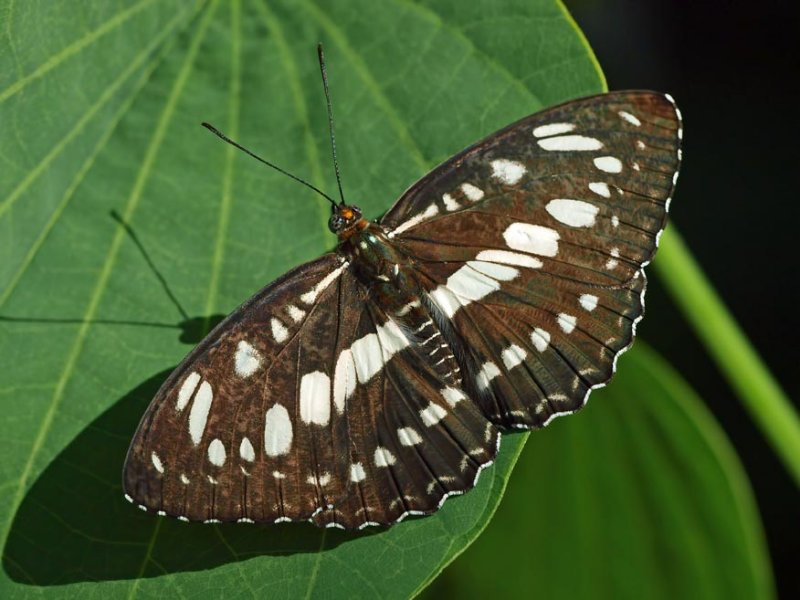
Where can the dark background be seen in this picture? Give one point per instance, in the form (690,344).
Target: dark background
(733,68)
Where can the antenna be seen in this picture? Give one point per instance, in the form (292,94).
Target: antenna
(224,137)
(324,72)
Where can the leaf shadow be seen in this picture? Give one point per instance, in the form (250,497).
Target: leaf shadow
(74,525)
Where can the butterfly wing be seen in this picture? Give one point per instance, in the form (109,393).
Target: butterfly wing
(532,244)
(239,431)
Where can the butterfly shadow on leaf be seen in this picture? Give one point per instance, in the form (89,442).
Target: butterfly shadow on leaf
(74,524)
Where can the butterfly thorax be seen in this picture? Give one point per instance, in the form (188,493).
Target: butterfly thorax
(373,255)
(375,259)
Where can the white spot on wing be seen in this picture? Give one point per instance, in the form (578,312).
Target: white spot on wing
(357,472)
(570,143)
(615,221)
(279,331)
(429,212)
(475,280)
(600,188)
(409,436)
(432,414)
(321,480)
(246,450)
(629,118)
(471,284)
(612,262)
(493,270)
(507,171)
(344,380)
(446,300)
(488,371)
(199,413)
(184,479)
(315,398)
(567,322)
(450,203)
(367,357)
(311,296)
(295,313)
(513,356)
(453,396)
(383,458)
(157,462)
(187,389)
(391,338)
(540,339)
(472,192)
(589,301)
(609,164)
(216,453)
(533,239)
(575,213)
(373,350)
(509,258)
(277,431)
(247,359)
(552,129)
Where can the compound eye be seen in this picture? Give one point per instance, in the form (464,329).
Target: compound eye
(335,223)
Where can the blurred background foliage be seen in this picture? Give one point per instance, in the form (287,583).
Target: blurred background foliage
(641,495)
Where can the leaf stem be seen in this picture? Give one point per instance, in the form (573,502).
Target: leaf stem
(729,347)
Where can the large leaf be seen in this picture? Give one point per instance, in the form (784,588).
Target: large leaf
(100,105)
(640,497)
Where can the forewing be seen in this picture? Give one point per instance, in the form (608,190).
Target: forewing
(246,427)
(585,186)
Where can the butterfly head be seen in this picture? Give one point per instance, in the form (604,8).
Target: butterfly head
(345,220)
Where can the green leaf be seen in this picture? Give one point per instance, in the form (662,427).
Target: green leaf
(641,496)
(101,103)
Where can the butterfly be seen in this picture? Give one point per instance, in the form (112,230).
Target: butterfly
(376,381)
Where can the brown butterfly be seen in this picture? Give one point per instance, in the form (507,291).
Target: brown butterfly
(375,382)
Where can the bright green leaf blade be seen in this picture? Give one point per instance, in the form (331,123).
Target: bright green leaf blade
(641,496)
(101,104)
